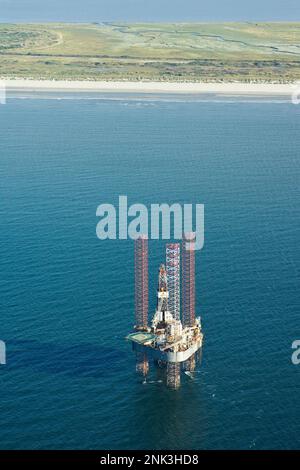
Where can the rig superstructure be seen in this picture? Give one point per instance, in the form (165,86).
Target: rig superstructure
(172,340)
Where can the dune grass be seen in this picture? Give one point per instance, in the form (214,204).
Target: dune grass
(263,52)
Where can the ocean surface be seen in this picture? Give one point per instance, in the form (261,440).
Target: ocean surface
(145,11)
(67,298)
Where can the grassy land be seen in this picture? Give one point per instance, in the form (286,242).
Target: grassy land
(264,52)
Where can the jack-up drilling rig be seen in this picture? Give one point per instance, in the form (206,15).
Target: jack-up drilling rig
(172,340)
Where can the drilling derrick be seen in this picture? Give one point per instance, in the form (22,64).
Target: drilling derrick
(188,279)
(162,292)
(141,282)
(173,277)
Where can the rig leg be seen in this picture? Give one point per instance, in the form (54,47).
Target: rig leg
(142,363)
(173,375)
(190,364)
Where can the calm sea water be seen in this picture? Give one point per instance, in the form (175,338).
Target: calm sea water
(66,298)
(143,10)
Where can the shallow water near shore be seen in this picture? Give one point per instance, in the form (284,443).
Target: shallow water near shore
(67,298)
(179,97)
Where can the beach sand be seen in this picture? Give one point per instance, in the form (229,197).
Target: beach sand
(263,89)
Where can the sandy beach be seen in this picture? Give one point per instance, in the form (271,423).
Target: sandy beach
(263,89)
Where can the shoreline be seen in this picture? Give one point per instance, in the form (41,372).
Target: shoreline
(254,89)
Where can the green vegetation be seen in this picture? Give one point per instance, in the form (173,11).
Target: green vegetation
(264,52)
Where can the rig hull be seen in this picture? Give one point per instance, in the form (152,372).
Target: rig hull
(167,356)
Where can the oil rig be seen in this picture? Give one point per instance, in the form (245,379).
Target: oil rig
(174,337)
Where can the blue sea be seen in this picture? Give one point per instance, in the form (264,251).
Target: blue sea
(67,298)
